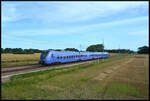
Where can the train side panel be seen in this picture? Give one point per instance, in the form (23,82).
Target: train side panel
(65,57)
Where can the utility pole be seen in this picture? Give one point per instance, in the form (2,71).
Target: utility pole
(79,52)
(103,47)
(119,50)
(80,47)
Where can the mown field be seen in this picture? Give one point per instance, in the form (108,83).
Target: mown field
(122,77)
(9,60)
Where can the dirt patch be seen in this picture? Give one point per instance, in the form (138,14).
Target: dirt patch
(109,70)
(49,87)
(101,76)
(5,79)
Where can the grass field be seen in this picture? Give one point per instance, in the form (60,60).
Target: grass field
(99,80)
(8,60)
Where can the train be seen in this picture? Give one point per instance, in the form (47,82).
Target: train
(50,56)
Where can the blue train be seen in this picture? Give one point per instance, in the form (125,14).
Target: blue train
(51,56)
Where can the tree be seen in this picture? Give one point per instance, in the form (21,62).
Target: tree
(95,48)
(71,49)
(143,50)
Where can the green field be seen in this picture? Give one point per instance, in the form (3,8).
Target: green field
(83,82)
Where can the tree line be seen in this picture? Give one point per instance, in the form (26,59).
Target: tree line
(100,48)
(20,51)
(143,50)
(91,48)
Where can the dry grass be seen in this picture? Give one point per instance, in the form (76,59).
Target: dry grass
(113,54)
(19,57)
(10,60)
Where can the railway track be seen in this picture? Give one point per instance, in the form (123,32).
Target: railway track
(31,66)
(17,68)
(7,72)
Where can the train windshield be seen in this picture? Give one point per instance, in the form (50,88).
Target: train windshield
(44,54)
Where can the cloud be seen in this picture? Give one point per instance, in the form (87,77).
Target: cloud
(10,13)
(139,32)
(80,29)
(66,12)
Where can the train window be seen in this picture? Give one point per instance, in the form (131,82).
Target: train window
(61,57)
(52,55)
(67,56)
(64,57)
(44,54)
(57,57)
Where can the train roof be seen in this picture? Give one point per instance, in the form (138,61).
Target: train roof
(76,52)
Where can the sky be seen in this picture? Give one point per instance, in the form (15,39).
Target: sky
(72,24)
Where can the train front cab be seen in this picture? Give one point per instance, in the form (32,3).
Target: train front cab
(43,56)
